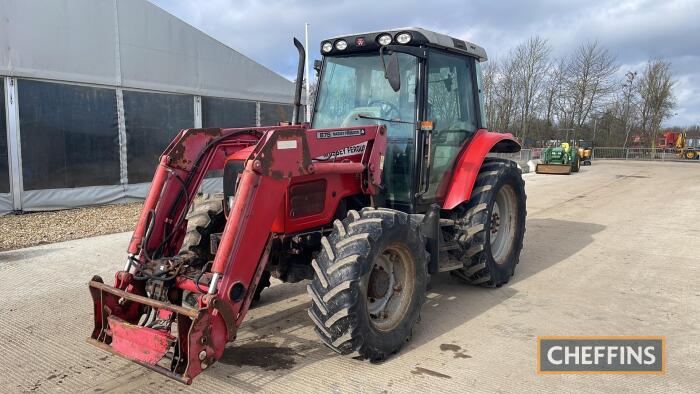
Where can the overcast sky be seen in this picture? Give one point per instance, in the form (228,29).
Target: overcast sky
(635,30)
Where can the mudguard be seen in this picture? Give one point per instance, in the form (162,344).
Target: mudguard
(469,162)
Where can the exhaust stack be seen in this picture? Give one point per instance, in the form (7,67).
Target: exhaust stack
(299,82)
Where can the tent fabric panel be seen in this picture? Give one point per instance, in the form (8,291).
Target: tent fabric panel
(53,199)
(218,112)
(152,121)
(271,114)
(69,135)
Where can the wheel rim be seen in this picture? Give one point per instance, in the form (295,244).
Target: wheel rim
(390,287)
(502,226)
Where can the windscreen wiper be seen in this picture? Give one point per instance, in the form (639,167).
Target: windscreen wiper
(384,119)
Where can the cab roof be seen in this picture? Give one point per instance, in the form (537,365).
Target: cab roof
(361,42)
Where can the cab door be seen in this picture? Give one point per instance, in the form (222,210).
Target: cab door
(451,98)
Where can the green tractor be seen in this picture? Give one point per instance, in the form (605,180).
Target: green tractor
(559,158)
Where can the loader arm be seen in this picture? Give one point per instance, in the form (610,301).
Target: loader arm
(181,342)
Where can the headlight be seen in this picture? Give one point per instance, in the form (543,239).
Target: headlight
(341,45)
(384,39)
(326,47)
(403,38)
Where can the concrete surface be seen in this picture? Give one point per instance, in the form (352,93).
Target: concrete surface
(612,250)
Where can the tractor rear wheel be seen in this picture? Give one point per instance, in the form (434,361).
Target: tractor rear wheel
(206,217)
(493,223)
(369,284)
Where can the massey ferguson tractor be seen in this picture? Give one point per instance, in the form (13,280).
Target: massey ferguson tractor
(389,184)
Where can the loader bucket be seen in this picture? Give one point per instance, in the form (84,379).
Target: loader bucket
(558,169)
(180,353)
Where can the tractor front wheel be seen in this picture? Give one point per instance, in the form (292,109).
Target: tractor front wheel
(576,163)
(370,282)
(493,223)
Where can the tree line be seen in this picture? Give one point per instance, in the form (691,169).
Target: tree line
(537,97)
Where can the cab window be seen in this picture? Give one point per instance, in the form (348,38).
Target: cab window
(451,107)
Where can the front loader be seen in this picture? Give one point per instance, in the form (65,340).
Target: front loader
(387,185)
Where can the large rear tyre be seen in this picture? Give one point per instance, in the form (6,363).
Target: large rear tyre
(493,223)
(369,285)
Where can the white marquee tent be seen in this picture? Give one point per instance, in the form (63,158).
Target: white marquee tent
(93,90)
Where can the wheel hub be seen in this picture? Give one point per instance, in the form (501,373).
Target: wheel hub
(380,286)
(495,220)
(502,226)
(390,287)
(378,282)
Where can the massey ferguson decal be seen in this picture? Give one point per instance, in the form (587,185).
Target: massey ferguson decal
(345,152)
(339,133)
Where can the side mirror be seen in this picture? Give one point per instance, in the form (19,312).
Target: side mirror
(317,65)
(392,72)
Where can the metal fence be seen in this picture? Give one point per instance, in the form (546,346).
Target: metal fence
(523,155)
(645,154)
(609,153)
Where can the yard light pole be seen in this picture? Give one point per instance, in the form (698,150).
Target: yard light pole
(595,126)
(306,45)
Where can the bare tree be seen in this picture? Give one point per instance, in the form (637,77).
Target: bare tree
(490,73)
(590,79)
(552,89)
(627,92)
(655,90)
(531,60)
(529,95)
(507,93)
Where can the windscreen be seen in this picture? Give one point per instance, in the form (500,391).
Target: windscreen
(353,91)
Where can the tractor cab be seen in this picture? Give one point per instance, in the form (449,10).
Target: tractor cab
(424,87)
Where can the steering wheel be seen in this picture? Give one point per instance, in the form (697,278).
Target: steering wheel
(388,110)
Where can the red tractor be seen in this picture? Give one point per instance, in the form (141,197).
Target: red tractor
(389,184)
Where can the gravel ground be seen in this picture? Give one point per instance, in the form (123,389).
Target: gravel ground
(38,228)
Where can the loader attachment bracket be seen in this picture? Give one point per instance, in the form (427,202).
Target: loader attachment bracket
(181,353)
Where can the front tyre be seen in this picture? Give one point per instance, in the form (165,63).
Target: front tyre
(369,285)
(493,224)
(576,164)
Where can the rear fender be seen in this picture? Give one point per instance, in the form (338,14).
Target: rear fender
(469,162)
